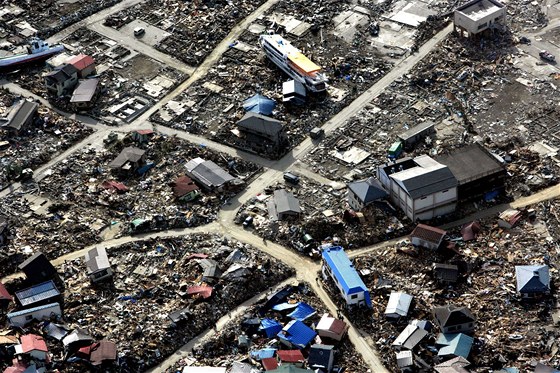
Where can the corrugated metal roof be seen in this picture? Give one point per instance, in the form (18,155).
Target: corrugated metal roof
(31,310)
(37,293)
(344,271)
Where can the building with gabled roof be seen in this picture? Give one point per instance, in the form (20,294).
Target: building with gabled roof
(34,346)
(208,174)
(457,344)
(363,193)
(20,116)
(129,159)
(453,319)
(84,64)
(330,327)
(427,236)
(97,264)
(422,187)
(340,269)
(398,305)
(532,280)
(283,204)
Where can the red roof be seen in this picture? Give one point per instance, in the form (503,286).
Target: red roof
(290,356)
(18,367)
(197,256)
(269,363)
(145,132)
(114,185)
(31,342)
(205,291)
(427,233)
(183,185)
(4,293)
(101,351)
(81,61)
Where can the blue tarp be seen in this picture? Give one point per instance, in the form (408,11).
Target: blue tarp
(302,311)
(271,327)
(259,104)
(263,354)
(297,334)
(284,306)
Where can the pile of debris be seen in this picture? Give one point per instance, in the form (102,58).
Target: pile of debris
(306,215)
(479,268)
(195,29)
(256,339)
(158,295)
(31,136)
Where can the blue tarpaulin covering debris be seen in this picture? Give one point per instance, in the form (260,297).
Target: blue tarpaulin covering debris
(259,104)
(297,334)
(263,354)
(302,311)
(271,327)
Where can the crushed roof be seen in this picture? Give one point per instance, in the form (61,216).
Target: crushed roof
(427,233)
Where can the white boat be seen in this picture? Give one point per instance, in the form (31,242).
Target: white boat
(293,62)
(36,50)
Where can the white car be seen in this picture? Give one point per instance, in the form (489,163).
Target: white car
(139,31)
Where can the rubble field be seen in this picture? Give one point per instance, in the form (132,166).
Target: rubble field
(46,18)
(223,348)
(130,82)
(194,28)
(150,281)
(471,94)
(244,70)
(509,332)
(72,207)
(48,135)
(324,218)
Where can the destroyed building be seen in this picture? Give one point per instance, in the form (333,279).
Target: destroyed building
(20,117)
(97,264)
(208,174)
(62,80)
(263,134)
(478,172)
(477,16)
(422,187)
(338,268)
(130,159)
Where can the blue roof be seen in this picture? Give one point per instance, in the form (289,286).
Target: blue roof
(344,271)
(37,293)
(297,334)
(263,354)
(30,310)
(455,344)
(271,327)
(302,311)
(259,104)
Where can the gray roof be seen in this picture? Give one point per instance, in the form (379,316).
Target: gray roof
(410,336)
(96,259)
(428,177)
(85,90)
(319,355)
(37,293)
(286,202)
(532,278)
(128,154)
(208,173)
(416,130)
(368,190)
(62,73)
(22,114)
(34,309)
(404,359)
(261,124)
(471,163)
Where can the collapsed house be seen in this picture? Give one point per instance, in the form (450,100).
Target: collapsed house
(208,174)
(20,117)
(263,134)
(337,267)
(130,159)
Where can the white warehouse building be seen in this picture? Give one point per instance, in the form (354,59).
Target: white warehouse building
(478,15)
(422,187)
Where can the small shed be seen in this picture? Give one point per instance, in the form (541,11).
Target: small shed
(454,345)
(97,264)
(321,356)
(426,236)
(34,346)
(405,362)
(332,328)
(417,133)
(398,305)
